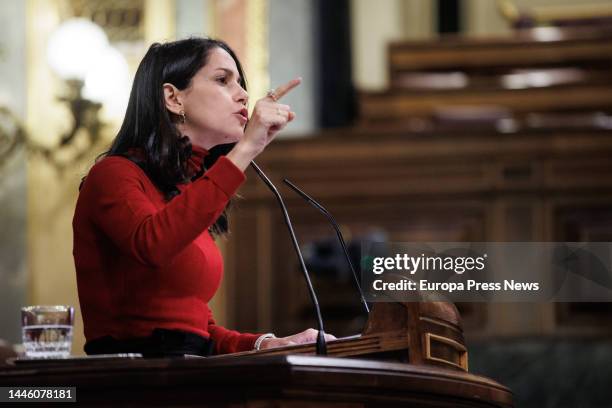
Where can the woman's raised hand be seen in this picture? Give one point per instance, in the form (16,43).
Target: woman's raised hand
(307,336)
(268,118)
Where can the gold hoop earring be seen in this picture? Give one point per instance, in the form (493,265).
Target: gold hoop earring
(183,117)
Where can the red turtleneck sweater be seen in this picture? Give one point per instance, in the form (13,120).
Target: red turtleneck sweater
(144,263)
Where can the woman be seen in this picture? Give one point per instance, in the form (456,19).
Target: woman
(146,263)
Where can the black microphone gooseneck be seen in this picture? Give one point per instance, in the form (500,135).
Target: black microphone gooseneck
(321,343)
(333,222)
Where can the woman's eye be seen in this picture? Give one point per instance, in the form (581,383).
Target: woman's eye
(222,80)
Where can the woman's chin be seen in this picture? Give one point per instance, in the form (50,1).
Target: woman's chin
(234,138)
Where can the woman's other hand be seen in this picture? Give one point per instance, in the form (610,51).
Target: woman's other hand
(307,336)
(268,118)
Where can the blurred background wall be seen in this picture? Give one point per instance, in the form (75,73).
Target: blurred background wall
(13,183)
(342,49)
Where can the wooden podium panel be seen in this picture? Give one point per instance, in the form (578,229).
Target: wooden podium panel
(261,381)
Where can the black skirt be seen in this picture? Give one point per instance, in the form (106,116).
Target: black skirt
(161,343)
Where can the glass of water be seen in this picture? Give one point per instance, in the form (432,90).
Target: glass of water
(47,331)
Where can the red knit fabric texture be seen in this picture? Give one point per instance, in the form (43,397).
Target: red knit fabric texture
(144,263)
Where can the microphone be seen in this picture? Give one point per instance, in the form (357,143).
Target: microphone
(321,343)
(333,222)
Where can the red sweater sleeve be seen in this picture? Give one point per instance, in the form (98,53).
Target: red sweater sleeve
(229,341)
(120,207)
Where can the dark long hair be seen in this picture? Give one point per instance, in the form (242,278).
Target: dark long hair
(149,128)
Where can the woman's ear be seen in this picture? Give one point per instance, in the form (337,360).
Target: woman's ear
(172,99)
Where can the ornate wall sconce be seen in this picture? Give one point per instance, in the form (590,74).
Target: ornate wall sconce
(95,75)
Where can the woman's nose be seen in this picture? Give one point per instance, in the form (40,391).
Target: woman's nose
(242,96)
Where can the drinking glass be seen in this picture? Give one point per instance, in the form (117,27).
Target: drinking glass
(47,331)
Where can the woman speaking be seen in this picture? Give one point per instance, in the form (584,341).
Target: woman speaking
(146,262)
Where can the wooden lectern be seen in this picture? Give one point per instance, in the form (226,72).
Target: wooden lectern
(409,354)
(416,333)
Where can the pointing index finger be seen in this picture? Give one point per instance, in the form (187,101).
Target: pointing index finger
(284,89)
